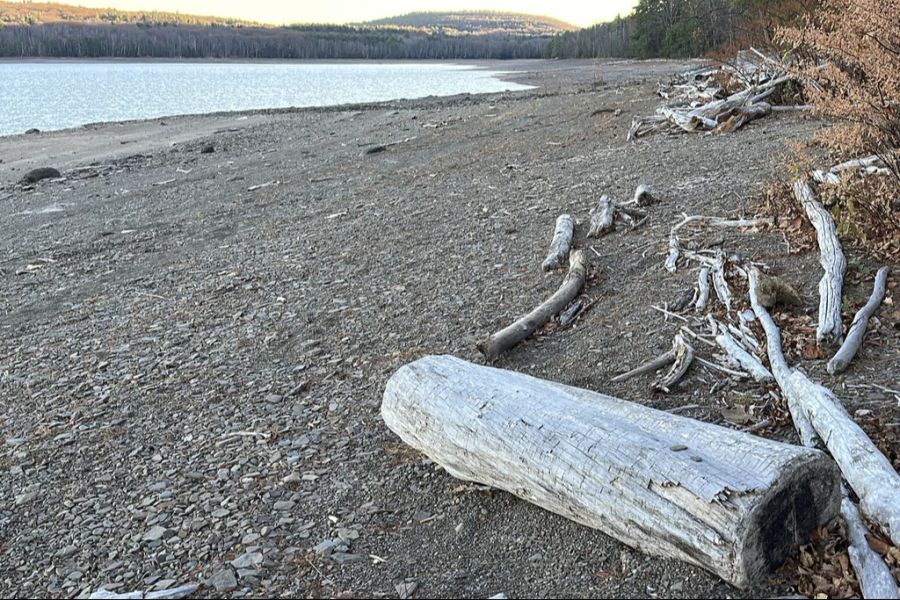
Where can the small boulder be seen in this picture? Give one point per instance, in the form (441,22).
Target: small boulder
(222,581)
(208,149)
(36,175)
(32,131)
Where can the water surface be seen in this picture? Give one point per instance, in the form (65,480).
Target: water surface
(56,95)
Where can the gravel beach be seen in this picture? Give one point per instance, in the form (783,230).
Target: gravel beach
(198,318)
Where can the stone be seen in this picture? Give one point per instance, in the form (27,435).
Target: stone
(25,498)
(324,548)
(250,538)
(284,505)
(36,175)
(247,560)
(348,535)
(405,589)
(343,558)
(155,533)
(208,149)
(223,580)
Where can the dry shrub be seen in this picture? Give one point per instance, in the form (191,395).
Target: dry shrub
(849,51)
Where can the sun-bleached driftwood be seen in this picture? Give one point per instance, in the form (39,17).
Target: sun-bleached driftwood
(743,115)
(643,196)
(741,358)
(561,243)
(602,219)
(875,579)
(671,486)
(720,284)
(841,359)
(831,257)
(657,363)
(812,406)
(674,253)
(508,337)
(684,356)
(702,290)
(641,126)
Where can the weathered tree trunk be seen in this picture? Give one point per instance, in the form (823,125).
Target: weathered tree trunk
(841,359)
(744,115)
(866,469)
(508,337)
(602,220)
(561,244)
(831,257)
(726,501)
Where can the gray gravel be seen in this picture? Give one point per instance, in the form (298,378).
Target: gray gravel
(190,372)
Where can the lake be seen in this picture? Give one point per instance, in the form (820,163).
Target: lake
(56,95)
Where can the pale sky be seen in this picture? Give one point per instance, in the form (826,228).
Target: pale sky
(577,12)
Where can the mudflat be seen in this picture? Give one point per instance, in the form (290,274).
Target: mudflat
(198,318)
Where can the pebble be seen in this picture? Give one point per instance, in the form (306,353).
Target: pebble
(405,589)
(25,498)
(223,580)
(155,533)
(324,548)
(247,560)
(284,505)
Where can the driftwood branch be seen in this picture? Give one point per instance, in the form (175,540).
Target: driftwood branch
(741,358)
(703,290)
(508,337)
(726,501)
(831,257)
(674,243)
(602,220)
(841,360)
(813,407)
(561,243)
(875,579)
(657,363)
(684,355)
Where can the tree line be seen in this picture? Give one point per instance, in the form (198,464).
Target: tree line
(138,40)
(682,28)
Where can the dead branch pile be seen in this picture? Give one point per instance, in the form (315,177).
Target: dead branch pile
(720,100)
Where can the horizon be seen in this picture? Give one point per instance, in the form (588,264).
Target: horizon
(579,13)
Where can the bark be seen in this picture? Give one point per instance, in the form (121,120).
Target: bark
(744,115)
(508,337)
(816,409)
(831,257)
(561,244)
(674,487)
(841,360)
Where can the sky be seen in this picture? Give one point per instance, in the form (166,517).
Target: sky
(577,12)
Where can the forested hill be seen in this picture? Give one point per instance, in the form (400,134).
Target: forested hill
(477,22)
(36,13)
(58,30)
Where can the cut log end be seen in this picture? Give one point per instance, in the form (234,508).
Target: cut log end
(803,500)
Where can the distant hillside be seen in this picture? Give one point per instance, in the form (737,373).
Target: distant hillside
(38,13)
(477,23)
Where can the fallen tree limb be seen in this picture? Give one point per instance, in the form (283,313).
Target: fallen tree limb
(744,115)
(726,501)
(657,363)
(813,407)
(674,244)
(720,285)
(703,293)
(602,218)
(684,356)
(508,337)
(841,359)
(742,358)
(875,579)
(561,244)
(831,257)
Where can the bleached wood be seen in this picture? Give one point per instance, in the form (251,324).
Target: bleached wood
(812,406)
(674,253)
(657,363)
(561,243)
(744,115)
(508,337)
(602,219)
(742,358)
(831,257)
(720,285)
(643,196)
(841,359)
(182,591)
(667,485)
(875,579)
(703,290)
(684,356)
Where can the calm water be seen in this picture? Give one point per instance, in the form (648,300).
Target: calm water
(56,95)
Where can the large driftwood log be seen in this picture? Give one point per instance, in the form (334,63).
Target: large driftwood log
(508,337)
(831,257)
(561,243)
(865,468)
(841,359)
(670,486)
(744,115)
(602,220)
